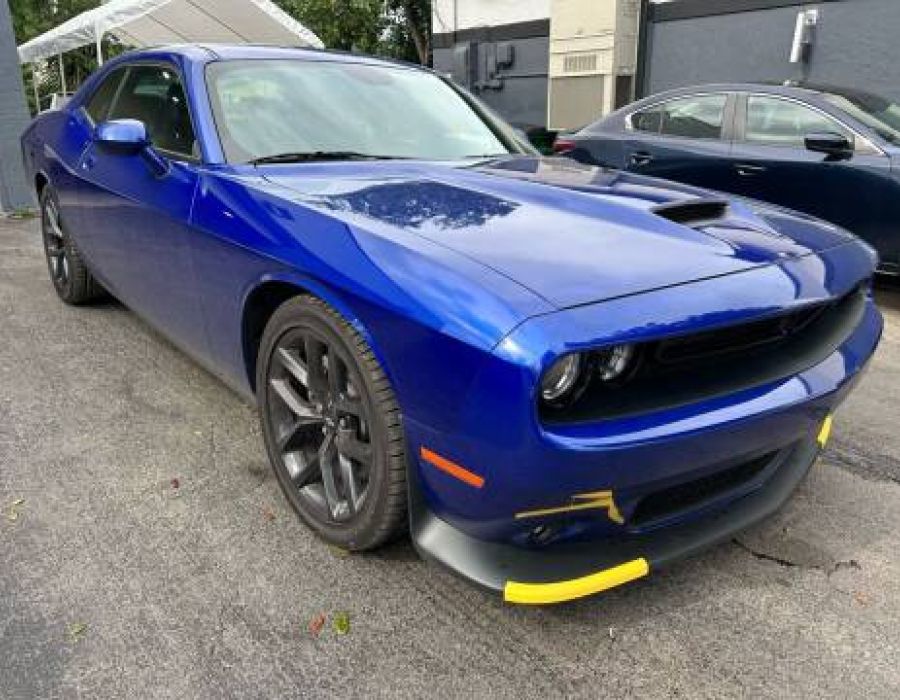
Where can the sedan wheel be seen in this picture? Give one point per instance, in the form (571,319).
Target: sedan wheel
(336,450)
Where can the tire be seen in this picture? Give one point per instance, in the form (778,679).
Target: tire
(71,279)
(332,426)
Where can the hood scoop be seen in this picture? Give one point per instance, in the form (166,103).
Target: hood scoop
(693,212)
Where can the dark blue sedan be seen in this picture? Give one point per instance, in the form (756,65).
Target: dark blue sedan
(558,376)
(830,152)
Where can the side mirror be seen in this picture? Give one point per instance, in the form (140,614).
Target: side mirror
(834,145)
(125,136)
(130,137)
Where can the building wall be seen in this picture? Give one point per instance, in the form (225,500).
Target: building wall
(855,44)
(485,28)
(453,15)
(13,118)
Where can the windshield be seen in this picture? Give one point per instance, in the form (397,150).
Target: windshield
(879,114)
(266,108)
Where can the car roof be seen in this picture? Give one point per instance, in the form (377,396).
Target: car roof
(799,91)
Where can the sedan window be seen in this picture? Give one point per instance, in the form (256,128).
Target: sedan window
(697,117)
(785,123)
(880,115)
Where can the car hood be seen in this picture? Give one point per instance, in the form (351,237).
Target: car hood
(571,233)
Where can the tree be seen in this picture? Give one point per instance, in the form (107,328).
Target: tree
(394,28)
(348,25)
(411,28)
(32,18)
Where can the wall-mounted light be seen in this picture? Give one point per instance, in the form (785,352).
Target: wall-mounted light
(803,35)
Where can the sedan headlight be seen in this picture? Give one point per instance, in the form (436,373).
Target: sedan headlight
(561,378)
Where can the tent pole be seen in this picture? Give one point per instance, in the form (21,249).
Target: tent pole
(34,86)
(99,35)
(62,74)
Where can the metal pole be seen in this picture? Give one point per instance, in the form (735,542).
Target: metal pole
(98,33)
(34,86)
(62,74)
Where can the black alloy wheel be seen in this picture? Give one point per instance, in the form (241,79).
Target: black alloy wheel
(54,244)
(71,279)
(331,426)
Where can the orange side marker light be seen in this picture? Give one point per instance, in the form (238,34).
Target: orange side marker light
(451,468)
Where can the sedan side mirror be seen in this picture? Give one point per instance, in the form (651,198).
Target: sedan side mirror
(837,146)
(130,137)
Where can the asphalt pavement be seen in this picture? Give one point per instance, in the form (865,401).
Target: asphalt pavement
(146,551)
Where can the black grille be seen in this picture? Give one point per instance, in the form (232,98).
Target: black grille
(737,339)
(691,494)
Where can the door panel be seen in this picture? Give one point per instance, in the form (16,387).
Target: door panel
(142,239)
(139,220)
(686,139)
(771,163)
(858,194)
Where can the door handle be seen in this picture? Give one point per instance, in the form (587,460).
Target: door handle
(89,162)
(641,158)
(748,170)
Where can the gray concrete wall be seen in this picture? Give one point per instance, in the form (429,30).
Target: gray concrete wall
(519,92)
(13,119)
(857,43)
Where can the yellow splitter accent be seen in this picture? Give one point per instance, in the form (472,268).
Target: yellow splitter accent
(561,591)
(581,501)
(825,431)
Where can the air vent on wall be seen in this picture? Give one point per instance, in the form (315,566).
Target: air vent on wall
(580,63)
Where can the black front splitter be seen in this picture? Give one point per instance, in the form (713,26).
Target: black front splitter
(559,573)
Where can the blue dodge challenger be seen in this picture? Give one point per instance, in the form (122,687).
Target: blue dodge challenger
(558,377)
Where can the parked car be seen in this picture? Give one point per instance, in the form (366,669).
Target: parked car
(558,377)
(830,152)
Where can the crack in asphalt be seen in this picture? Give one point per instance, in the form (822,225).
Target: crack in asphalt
(788,563)
(767,557)
(859,461)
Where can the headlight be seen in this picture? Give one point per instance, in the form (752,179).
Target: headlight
(561,377)
(613,362)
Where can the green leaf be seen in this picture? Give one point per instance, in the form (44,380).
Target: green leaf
(342,623)
(77,630)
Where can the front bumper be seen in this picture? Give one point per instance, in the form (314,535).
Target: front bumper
(589,485)
(569,571)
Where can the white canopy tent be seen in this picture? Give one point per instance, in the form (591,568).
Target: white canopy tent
(157,22)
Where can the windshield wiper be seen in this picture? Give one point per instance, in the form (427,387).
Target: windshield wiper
(310,156)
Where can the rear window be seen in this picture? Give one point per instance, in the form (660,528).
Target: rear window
(696,117)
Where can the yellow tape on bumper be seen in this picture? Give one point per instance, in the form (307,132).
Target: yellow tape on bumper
(560,591)
(825,431)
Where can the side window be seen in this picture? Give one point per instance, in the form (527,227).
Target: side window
(699,117)
(154,95)
(98,104)
(784,123)
(647,121)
